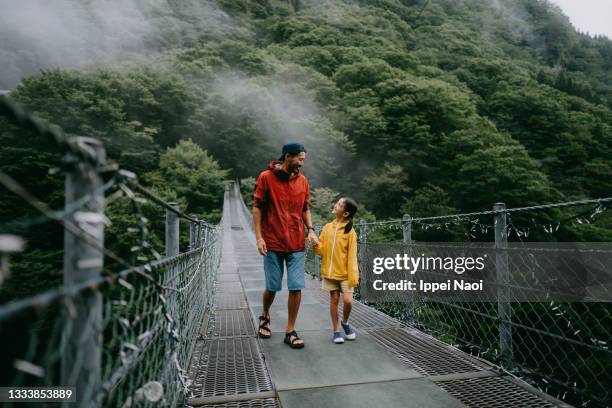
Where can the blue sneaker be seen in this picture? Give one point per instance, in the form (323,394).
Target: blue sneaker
(348,331)
(338,339)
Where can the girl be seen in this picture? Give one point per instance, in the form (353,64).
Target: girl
(338,249)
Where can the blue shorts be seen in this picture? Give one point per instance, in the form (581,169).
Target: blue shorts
(274,267)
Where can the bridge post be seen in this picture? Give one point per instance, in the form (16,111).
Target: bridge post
(9,244)
(502,272)
(363,267)
(407,229)
(203,277)
(83,260)
(209,278)
(198,237)
(193,234)
(199,232)
(172,231)
(407,235)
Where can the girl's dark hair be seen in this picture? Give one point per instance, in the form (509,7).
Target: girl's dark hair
(350,206)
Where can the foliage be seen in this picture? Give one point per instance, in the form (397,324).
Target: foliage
(194,175)
(422,106)
(247,188)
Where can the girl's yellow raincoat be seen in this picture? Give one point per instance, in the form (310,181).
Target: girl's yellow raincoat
(339,253)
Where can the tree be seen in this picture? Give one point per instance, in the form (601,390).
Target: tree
(194,175)
(385,190)
(501,173)
(431,201)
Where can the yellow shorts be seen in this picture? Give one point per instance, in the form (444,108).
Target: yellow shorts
(333,284)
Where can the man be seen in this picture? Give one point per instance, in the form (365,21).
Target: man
(281,208)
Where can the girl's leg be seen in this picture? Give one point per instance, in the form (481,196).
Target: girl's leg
(348,305)
(349,333)
(334,298)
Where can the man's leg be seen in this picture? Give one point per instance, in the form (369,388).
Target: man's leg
(293,307)
(268,299)
(295,283)
(273,271)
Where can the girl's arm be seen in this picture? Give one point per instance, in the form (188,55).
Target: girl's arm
(318,248)
(352,266)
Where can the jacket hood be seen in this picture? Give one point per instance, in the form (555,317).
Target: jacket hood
(275,167)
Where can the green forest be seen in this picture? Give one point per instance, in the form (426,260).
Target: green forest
(421,107)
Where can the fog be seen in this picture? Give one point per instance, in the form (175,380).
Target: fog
(42,34)
(283,110)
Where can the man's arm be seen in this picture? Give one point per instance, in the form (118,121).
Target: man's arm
(261,244)
(260,197)
(312,237)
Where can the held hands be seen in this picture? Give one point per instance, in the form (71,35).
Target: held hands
(312,238)
(263,250)
(261,247)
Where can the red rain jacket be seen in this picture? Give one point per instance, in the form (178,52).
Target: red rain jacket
(282,199)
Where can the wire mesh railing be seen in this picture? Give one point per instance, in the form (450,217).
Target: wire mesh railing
(121,329)
(544,312)
(147,329)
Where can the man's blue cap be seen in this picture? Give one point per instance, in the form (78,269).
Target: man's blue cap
(292,148)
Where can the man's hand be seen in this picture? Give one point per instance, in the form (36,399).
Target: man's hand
(261,247)
(312,237)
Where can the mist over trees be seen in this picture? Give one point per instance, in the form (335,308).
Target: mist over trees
(422,106)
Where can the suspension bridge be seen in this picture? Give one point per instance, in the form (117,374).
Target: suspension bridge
(178,328)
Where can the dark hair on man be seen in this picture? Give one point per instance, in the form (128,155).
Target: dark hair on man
(350,206)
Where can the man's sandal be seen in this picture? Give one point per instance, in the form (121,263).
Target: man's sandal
(263,321)
(292,342)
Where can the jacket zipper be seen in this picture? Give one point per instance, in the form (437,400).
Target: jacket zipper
(331,259)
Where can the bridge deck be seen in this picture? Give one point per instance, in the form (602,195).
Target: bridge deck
(389,364)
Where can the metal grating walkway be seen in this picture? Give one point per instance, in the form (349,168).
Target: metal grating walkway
(236,322)
(493,392)
(254,403)
(428,356)
(389,365)
(230,301)
(233,366)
